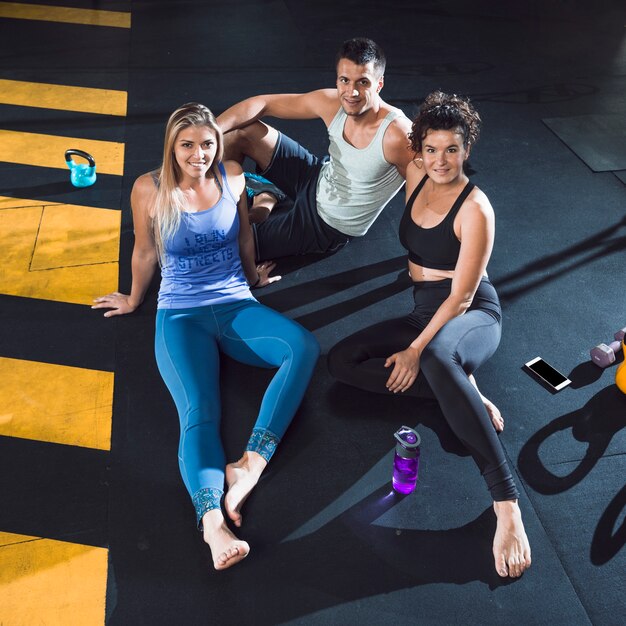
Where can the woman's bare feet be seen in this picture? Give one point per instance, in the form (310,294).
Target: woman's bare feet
(511,550)
(241,478)
(494,412)
(226,549)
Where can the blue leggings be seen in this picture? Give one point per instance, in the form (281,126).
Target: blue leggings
(457,350)
(187,346)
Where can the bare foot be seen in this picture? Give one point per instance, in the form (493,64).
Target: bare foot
(262,205)
(241,478)
(494,412)
(226,549)
(511,550)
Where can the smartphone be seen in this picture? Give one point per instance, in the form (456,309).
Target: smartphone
(548,374)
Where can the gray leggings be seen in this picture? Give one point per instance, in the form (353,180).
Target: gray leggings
(455,352)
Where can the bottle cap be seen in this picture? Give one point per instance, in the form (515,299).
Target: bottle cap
(408,442)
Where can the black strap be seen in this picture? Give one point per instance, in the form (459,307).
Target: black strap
(460,200)
(411,200)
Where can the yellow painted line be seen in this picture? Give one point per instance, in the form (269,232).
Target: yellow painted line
(57,583)
(56,403)
(49,151)
(60,252)
(90,17)
(63,97)
(17,203)
(8,539)
(70,236)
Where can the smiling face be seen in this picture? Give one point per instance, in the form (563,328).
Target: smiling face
(357,86)
(443,155)
(194,150)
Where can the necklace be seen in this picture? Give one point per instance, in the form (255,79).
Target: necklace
(428,193)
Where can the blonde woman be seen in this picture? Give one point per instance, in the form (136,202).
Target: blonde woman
(191,217)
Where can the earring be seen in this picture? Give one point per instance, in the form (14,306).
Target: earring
(418,162)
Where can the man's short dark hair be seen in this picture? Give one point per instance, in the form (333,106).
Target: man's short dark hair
(361,50)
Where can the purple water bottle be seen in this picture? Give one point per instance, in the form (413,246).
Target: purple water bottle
(406,460)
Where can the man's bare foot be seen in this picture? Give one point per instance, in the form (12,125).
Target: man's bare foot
(262,205)
(494,412)
(226,549)
(511,550)
(241,478)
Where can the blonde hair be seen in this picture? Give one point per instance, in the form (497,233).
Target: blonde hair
(170,202)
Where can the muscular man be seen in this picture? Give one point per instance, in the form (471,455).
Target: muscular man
(337,197)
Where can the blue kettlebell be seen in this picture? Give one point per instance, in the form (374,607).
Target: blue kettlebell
(81,175)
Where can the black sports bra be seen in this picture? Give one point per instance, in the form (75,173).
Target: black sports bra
(437,247)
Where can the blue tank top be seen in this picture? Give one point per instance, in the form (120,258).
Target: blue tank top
(202,264)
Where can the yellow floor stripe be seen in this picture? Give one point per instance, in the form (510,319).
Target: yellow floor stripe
(49,151)
(18,203)
(63,97)
(17,10)
(56,403)
(43,581)
(60,252)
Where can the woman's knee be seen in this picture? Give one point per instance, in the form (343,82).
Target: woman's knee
(203,412)
(256,140)
(307,348)
(340,359)
(436,360)
(292,342)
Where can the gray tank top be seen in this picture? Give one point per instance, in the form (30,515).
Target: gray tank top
(354,186)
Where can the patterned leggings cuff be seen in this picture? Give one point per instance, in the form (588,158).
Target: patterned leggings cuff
(263,442)
(205,500)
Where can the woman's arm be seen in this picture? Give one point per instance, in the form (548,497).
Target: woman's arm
(144,259)
(477,228)
(256,275)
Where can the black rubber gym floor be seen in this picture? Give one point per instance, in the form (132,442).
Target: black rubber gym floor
(330,543)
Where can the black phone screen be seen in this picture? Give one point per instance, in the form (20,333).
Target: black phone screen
(547,372)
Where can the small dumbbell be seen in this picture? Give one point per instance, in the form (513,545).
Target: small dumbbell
(603,355)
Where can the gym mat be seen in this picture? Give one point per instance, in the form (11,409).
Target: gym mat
(599,140)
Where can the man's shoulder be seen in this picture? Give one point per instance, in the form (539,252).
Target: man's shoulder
(326,104)
(400,123)
(399,128)
(396,144)
(400,119)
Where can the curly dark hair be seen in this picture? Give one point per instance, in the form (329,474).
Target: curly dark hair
(441,111)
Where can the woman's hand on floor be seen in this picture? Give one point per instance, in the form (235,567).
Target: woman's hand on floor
(264,270)
(116,301)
